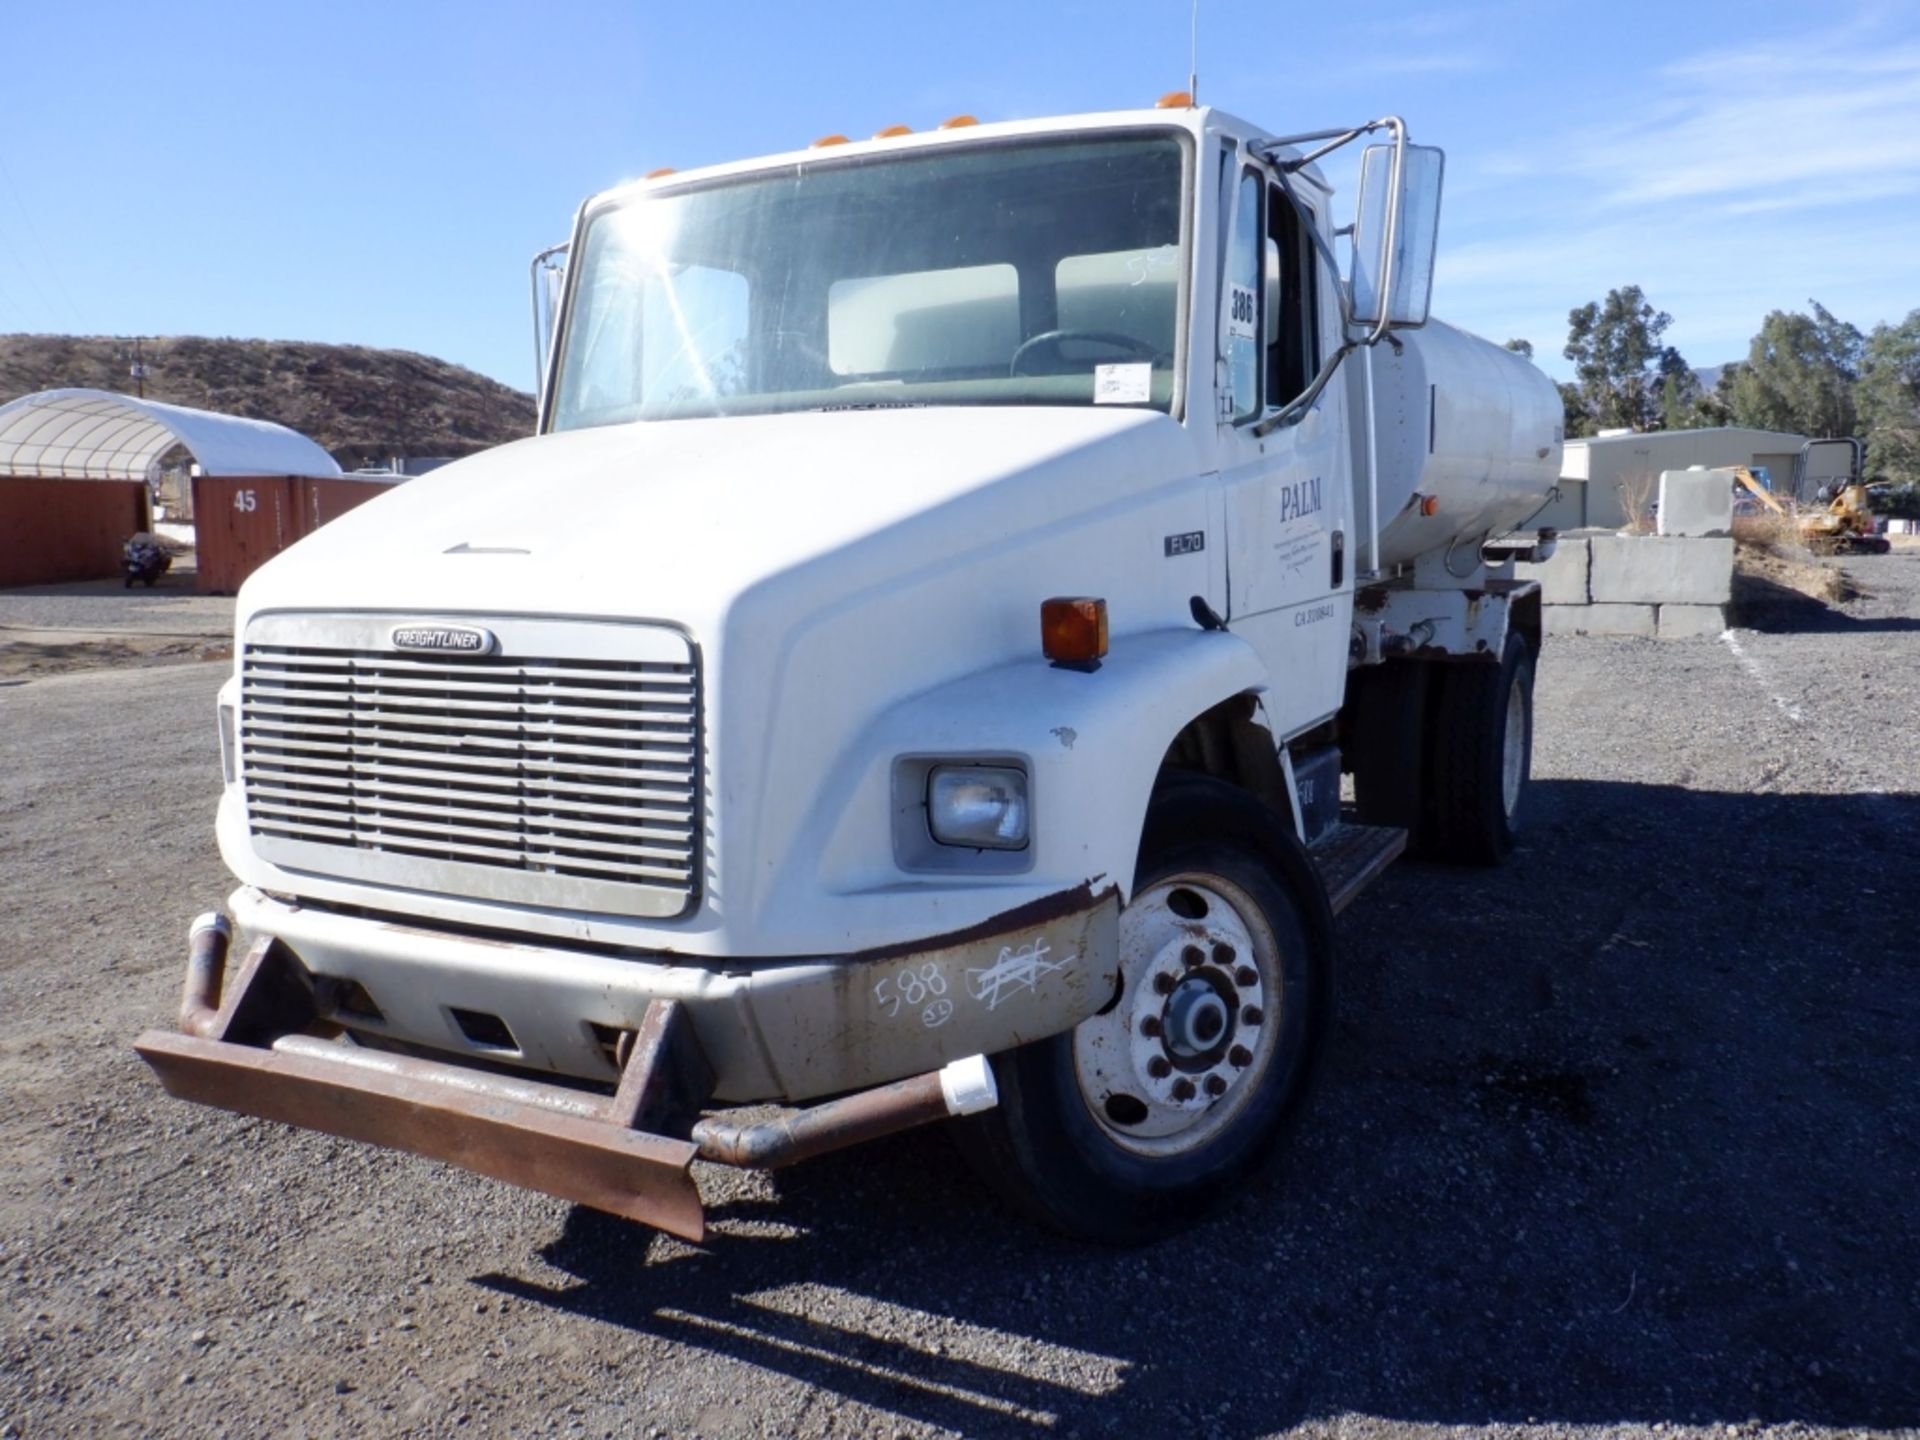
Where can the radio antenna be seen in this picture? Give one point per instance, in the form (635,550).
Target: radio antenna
(1193,54)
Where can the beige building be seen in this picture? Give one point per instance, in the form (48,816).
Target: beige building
(1603,478)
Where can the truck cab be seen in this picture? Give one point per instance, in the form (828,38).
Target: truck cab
(909,673)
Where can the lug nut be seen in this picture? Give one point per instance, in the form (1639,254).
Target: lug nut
(1251,1015)
(1183,1089)
(1222,954)
(1246,976)
(1159,1067)
(1216,1085)
(1164,982)
(1240,1056)
(1192,956)
(1150,1026)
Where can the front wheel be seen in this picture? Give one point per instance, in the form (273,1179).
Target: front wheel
(1137,1122)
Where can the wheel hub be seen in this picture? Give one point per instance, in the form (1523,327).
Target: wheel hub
(1169,1064)
(1197,1019)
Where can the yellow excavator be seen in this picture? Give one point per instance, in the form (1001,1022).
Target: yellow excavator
(1833,516)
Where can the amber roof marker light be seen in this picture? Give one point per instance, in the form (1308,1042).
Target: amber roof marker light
(958,122)
(1073,631)
(1175,100)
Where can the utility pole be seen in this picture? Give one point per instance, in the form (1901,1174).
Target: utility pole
(139,370)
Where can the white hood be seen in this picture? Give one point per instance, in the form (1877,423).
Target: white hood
(663,520)
(826,567)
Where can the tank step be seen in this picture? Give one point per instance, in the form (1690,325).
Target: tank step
(1351,857)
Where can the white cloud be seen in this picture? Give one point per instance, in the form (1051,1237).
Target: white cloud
(1741,180)
(1780,124)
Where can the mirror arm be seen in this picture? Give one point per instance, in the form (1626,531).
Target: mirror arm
(1387,276)
(1334,140)
(1295,410)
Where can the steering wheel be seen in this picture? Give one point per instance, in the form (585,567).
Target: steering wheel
(1052,340)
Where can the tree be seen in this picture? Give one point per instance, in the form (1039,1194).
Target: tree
(1578,422)
(1889,400)
(1521,347)
(1679,391)
(1800,374)
(1620,365)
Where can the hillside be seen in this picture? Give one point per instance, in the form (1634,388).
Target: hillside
(360,404)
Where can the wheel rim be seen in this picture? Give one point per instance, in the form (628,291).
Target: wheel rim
(1182,1053)
(1513,758)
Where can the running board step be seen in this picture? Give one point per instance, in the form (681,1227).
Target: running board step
(1352,857)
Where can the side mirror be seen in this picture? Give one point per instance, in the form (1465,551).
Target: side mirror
(1395,234)
(549,276)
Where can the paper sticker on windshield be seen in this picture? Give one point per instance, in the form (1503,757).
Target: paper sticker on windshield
(1122,384)
(1242,305)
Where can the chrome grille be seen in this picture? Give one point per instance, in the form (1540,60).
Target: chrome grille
(563,781)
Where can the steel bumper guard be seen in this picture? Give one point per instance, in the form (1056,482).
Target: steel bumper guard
(265,1051)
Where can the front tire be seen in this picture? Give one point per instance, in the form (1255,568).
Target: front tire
(1136,1123)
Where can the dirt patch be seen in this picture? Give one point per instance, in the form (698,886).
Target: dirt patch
(30,655)
(1779,584)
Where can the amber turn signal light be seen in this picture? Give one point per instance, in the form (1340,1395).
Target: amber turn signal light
(1073,631)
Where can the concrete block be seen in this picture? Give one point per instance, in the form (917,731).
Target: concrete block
(1661,570)
(1599,620)
(1691,622)
(1563,579)
(1695,503)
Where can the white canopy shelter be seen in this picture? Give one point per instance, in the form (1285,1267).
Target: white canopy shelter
(97,435)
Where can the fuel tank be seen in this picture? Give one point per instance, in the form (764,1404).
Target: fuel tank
(1464,428)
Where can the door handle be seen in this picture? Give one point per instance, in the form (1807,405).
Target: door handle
(1339,558)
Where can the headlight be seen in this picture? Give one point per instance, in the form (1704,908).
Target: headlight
(982,807)
(229,751)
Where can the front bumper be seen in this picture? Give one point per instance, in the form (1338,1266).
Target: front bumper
(260,1048)
(771,1030)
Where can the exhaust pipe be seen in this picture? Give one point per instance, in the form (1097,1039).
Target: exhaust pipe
(963,1087)
(207,941)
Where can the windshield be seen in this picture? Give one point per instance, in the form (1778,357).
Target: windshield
(1030,273)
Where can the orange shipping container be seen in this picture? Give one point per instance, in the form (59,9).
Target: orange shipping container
(58,530)
(241,522)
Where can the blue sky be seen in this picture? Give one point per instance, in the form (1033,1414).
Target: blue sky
(381,173)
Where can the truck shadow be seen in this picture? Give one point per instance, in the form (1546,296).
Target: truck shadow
(1626,1131)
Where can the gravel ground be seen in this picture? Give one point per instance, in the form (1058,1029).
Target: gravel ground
(1623,1137)
(56,629)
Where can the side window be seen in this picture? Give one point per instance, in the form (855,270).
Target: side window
(1293,352)
(1245,260)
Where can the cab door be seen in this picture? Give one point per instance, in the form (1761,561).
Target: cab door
(1288,492)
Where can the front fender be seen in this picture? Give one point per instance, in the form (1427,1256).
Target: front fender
(1092,743)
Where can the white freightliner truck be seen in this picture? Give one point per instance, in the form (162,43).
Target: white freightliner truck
(909,674)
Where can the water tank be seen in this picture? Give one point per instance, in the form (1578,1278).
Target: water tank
(1463,422)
